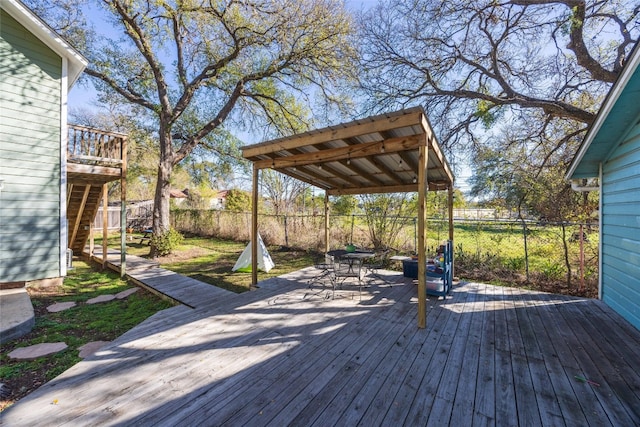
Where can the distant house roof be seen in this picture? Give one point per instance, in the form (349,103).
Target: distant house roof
(178,194)
(76,62)
(222,194)
(614,120)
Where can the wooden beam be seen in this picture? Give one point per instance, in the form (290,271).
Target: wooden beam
(305,174)
(352,166)
(105,224)
(326,222)
(450,206)
(92,242)
(93,170)
(348,164)
(123,210)
(435,148)
(386,170)
(358,128)
(423,161)
(69,191)
(342,153)
(254,229)
(82,159)
(334,173)
(83,203)
(401,188)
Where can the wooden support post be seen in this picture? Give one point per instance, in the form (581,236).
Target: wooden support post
(123,209)
(254,229)
(326,222)
(105,223)
(83,205)
(451,227)
(92,243)
(423,162)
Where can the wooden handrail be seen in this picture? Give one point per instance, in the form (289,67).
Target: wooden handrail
(89,144)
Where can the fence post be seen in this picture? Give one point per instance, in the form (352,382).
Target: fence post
(286,232)
(581,257)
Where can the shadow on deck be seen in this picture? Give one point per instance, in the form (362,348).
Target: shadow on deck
(288,355)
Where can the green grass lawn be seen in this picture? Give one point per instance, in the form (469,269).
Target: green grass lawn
(75,327)
(492,252)
(211,260)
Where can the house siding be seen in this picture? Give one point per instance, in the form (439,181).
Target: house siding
(621,228)
(30,155)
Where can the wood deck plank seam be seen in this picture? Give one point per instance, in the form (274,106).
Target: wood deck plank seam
(390,373)
(548,405)
(464,406)
(441,407)
(504,387)
(485,397)
(585,396)
(595,360)
(333,376)
(557,376)
(205,398)
(342,401)
(414,383)
(538,328)
(318,354)
(112,403)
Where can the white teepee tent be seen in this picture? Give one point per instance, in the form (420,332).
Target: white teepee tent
(265,263)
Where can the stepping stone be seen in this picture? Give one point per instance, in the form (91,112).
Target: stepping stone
(38,350)
(91,347)
(60,306)
(101,298)
(126,293)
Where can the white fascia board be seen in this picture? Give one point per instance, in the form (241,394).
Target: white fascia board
(611,100)
(76,62)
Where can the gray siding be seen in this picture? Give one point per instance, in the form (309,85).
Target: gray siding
(30,94)
(621,228)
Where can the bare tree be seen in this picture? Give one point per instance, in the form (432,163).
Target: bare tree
(194,65)
(282,191)
(475,64)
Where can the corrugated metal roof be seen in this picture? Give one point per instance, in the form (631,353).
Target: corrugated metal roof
(378,154)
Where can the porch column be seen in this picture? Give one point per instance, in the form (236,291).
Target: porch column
(105,224)
(451,226)
(423,161)
(326,222)
(123,209)
(254,229)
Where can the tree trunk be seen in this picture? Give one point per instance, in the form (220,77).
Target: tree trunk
(161,217)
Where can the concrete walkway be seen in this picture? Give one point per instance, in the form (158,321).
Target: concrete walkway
(16,314)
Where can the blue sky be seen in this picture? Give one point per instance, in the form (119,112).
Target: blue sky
(84,97)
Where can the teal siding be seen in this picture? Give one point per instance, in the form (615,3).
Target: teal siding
(621,228)
(30,95)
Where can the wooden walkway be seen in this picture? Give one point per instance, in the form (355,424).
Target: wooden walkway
(148,274)
(287,355)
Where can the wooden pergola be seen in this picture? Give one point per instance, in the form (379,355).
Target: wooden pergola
(389,153)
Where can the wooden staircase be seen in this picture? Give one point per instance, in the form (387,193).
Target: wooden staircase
(94,159)
(83,202)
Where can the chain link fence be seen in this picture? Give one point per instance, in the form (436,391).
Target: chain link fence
(484,248)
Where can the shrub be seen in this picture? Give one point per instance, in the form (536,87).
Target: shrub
(165,243)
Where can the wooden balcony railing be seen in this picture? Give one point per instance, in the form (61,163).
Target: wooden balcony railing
(92,146)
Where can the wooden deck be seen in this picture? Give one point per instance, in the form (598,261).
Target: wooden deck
(148,274)
(287,355)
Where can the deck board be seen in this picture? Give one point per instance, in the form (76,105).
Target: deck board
(286,355)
